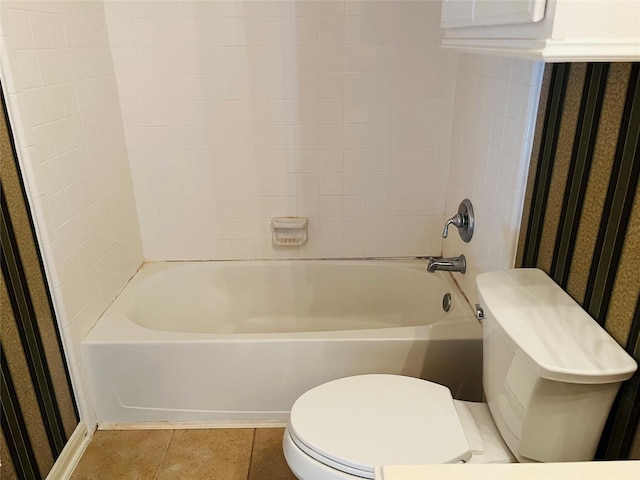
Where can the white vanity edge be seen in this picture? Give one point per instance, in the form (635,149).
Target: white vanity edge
(619,470)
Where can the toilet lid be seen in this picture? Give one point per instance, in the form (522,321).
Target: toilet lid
(356,423)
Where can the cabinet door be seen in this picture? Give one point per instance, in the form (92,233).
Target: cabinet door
(507,12)
(456,13)
(472,13)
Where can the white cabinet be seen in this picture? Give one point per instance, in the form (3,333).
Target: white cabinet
(468,13)
(553,31)
(457,13)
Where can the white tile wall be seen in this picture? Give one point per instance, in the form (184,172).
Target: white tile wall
(495,109)
(57,75)
(235,112)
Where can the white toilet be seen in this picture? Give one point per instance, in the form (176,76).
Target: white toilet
(550,375)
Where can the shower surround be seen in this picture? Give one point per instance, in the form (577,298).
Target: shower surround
(235,112)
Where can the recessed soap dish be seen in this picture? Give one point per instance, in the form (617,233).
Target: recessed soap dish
(289,231)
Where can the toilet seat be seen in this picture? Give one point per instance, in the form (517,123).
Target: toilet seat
(356,423)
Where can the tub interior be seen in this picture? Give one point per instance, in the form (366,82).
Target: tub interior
(285,297)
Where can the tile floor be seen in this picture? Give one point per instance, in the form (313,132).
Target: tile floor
(219,454)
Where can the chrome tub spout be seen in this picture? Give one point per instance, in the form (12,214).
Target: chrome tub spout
(453,264)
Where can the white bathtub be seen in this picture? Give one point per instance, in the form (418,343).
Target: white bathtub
(216,343)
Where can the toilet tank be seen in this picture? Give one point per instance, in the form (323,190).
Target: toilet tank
(550,372)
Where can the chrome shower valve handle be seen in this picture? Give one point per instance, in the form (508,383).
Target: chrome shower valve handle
(464,221)
(457,221)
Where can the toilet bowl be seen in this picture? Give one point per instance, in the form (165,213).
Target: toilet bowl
(344,428)
(550,375)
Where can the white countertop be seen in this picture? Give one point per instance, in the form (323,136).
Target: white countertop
(616,470)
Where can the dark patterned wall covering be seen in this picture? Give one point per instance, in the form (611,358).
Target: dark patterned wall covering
(38,411)
(581,222)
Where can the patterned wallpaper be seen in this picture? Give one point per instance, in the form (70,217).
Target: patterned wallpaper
(38,412)
(581,222)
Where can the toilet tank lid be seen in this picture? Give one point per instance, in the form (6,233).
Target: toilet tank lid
(549,330)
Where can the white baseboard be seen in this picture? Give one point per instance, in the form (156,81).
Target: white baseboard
(188,425)
(71,453)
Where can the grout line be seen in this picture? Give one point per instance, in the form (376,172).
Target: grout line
(164,454)
(253,443)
